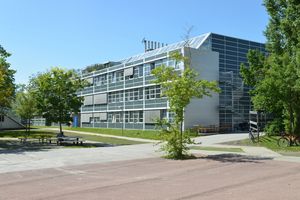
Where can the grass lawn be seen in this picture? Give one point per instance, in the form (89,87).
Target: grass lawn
(107,140)
(235,150)
(21,133)
(144,134)
(35,133)
(269,142)
(153,135)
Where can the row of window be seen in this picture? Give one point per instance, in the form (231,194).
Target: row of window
(138,71)
(129,117)
(229,40)
(151,92)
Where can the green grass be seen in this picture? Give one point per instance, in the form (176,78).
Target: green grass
(148,134)
(269,142)
(38,133)
(144,134)
(22,133)
(107,140)
(235,150)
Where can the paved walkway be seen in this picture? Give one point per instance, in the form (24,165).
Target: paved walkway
(226,177)
(52,158)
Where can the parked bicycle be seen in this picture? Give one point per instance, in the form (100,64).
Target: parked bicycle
(253,136)
(287,140)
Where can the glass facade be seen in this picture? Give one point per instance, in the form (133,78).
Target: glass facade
(234,100)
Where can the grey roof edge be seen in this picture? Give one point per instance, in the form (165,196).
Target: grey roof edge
(168,48)
(207,36)
(236,37)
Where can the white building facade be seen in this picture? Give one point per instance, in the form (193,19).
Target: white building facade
(124,95)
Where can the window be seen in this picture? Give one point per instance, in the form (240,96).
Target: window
(1,118)
(138,71)
(115,117)
(163,114)
(128,73)
(133,116)
(100,80)
(134,94)
(91,120)
(152,66)
(112,77)
(147,70)
(120,75)
(171,63)
(96,119)
(152,92)
(118,117)
(114,97)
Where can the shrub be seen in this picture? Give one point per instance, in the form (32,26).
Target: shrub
(274,127)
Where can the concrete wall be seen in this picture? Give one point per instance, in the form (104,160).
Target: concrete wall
(8,123)
(203,111)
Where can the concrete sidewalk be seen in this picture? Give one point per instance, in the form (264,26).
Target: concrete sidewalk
(220,138)
(52,158)
(225,177)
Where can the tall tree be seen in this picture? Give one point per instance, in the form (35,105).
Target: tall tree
(276,75)
(7,86)
(25,107)
(55,93)
(180,88)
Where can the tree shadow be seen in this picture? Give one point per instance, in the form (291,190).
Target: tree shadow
(236,158)
(16,147)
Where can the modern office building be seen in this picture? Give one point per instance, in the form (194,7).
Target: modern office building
(122,94)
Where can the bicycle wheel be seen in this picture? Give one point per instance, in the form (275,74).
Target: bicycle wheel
(297,141)
(283,142)
(252,137)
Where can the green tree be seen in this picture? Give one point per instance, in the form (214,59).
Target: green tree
(7,86)
(275,76)
(55,93)
(180,87)
(25,107)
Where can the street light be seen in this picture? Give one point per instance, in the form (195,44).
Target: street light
(122,111)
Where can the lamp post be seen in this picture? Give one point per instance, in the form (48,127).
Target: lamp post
(122,114)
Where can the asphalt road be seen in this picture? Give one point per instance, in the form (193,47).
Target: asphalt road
(214,177)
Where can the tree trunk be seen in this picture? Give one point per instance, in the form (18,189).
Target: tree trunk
(29,125)
(291,120)
(181,139)
(297,123)
(60,128)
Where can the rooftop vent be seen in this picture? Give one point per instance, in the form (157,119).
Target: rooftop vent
(151,45)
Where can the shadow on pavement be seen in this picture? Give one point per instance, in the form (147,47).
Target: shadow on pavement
(236,158)
(15,147)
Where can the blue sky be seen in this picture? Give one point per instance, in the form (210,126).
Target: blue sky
(76,33)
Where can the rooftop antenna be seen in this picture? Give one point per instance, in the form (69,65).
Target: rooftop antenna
(151,45)
(145,43)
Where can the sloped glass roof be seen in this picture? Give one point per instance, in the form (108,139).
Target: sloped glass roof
(194,42)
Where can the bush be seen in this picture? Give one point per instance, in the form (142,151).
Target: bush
(274,127)
(174,144)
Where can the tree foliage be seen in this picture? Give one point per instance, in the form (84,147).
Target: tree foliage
(55,93)
(25,106)
(180,87)
(7,86)
(275,76)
